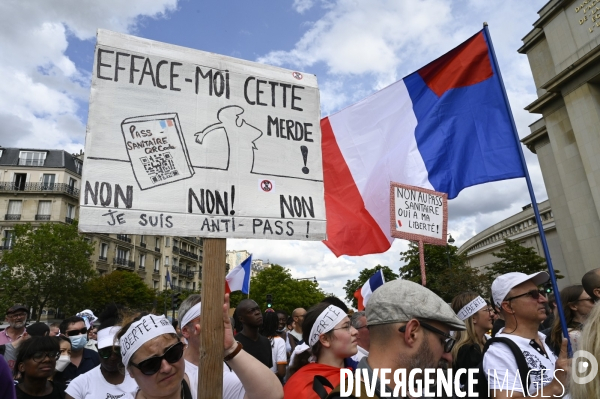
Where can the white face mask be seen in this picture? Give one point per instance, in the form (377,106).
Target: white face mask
(63,362)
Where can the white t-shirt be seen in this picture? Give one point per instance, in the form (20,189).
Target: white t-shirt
(278,352)
(500,359)
(232,386)
(92,385)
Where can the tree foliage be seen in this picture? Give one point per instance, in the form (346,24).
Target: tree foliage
(48,266)
(121,287)
(445,280)
(515,257)
(352,285)
(288,293)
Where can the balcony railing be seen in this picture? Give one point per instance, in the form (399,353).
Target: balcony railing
(157,249)
(188,254)
(44,187)
(123,237)
(12,216)
(143,244)
(42,217)
(175,249)
(69,220)
(102,258)
(129,264)
(142,268)
(156,271)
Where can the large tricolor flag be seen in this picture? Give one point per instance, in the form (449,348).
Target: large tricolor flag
(363,294)
(239,278)
(445,127)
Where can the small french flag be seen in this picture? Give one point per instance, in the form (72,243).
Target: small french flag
(239,278)
(364,293)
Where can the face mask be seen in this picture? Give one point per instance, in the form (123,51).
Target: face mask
(63,362)
(78,342)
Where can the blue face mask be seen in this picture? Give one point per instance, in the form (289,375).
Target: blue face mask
(78,342)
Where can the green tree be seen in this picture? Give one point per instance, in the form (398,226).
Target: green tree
(446,281)
(121,287)
(48,266)
(288,293)
(515,257)
(352,285)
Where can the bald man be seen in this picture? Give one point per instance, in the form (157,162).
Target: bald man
(249,314)
(298,316)
(591,284)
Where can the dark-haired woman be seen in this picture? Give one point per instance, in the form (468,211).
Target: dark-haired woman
(36,362)
(576,304)
(269,330)
(331,339)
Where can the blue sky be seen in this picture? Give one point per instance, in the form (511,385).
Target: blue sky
(355,47)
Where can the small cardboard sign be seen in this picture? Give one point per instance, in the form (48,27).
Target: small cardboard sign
(418,214)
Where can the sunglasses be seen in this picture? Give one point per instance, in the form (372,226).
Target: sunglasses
(73,333)
(535,294)
(38,357)
(151,365)
(590,300)
(105,353)
(448,342)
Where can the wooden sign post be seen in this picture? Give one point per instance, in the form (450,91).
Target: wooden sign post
(418,214)
(210,367)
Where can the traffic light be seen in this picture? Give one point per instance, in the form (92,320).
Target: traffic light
(548,288)
(269,301)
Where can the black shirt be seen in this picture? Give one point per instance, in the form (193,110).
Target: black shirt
(89,360)
(58,392)
(468,357)
(260,349)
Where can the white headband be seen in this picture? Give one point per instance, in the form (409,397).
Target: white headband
(471,308)
(88,317)
(106,336)
(326,321)
(142,331)
(191,314)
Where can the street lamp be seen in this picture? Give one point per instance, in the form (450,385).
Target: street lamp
(308,278)
(450,241)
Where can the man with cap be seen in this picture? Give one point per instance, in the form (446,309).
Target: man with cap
(522,304)
(16,316)
(409,328)
(9,350)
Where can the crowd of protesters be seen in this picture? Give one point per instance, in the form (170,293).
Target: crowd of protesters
(514,336)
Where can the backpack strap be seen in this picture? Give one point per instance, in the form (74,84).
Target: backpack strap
(522,365)
(319,384)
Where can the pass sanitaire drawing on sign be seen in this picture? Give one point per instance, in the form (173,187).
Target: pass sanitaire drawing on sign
(185,142)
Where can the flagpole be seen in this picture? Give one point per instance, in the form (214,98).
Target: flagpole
(536,211)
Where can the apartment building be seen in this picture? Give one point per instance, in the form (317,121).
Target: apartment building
(39,186)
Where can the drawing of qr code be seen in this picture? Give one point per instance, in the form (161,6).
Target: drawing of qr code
(159,167)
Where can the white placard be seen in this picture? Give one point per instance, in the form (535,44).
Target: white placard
(178,138)
(418,214)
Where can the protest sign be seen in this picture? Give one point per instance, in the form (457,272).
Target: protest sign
(418,214)
(184,142)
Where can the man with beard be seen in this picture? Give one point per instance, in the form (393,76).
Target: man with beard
(16,316)
(409,328)
(250,316)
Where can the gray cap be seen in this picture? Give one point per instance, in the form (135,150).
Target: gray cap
(399,301)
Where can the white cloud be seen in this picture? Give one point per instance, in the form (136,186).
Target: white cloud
(42,88)
(303,5)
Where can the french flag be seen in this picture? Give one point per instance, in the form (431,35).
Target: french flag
(239,278)
(364,293)
(444,127)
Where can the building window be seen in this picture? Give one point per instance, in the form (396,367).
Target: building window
(48,180)
(157,242)
(166,261)
(156,264)
(175,262)
(20,179)
(8,239)
(122,254)
(78,166)
(44,209)
(167,241)
(155,284)
(14,210)
(70,213)
(103,250)
(194,286)
(32,158)
(142,260)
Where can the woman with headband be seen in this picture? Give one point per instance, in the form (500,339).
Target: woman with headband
(476,313)
(331,339)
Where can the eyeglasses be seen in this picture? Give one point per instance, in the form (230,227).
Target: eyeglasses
(534,294)
(73,333)
(448,342)
(344,327)
(38,357)
(17,315)
(151,365)
(358,328)
(105,353)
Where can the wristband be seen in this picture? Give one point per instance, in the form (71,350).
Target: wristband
(233,354)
